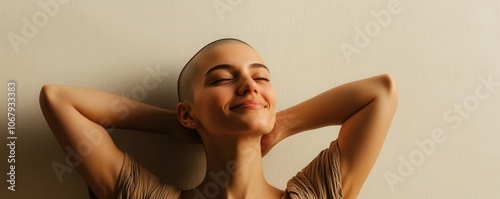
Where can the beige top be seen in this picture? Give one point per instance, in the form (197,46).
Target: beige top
(318,180)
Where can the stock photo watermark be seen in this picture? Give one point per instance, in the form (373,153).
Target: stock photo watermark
(11,134)
(363,36)
(454,116)
(121,106)
(34,22)
(221,179)
(224,6)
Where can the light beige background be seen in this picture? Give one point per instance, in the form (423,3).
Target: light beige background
(437,51)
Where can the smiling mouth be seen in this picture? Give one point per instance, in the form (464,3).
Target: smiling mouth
(248,104)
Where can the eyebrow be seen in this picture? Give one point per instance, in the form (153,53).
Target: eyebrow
(228,67)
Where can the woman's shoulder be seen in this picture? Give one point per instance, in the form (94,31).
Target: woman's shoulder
(320,178)
(135,181)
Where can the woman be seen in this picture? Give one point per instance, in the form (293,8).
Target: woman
(226,99)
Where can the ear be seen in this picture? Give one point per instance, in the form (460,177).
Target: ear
(184,116)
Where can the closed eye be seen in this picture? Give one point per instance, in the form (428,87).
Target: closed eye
(262,79)
(220,81)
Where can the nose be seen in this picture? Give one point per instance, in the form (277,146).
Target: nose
(248,86)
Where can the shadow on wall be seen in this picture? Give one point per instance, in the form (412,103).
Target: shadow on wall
(179,163)
(176,162)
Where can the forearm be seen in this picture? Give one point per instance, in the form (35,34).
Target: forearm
(336,105)
(109,110)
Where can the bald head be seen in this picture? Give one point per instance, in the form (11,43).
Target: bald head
(184,83)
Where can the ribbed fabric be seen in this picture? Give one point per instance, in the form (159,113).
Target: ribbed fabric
(318,180)
(135,181)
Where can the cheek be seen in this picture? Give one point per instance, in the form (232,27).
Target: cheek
(213,100)
(270,96)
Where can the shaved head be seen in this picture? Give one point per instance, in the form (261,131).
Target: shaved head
(184,83)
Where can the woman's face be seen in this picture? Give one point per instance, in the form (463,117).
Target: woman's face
(232,92)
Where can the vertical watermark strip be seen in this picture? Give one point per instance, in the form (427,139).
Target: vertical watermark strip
(11,135)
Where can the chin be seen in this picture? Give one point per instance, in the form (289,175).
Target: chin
(260,125)
(249,122)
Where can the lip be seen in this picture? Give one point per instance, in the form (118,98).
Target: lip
(248,104)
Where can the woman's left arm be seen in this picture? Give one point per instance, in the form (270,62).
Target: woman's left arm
(364,108)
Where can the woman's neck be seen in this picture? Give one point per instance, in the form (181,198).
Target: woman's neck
(234,169)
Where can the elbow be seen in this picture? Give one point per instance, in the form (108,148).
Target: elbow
(45,93)
(390,90)
(47,96)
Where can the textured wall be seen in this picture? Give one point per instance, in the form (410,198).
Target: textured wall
(444,56)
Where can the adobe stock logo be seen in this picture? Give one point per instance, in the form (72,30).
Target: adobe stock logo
(222,7)
(363,37)
(37,21)
(221,179)
(426,147)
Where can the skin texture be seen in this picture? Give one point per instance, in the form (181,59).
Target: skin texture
(235,139)
(184,82)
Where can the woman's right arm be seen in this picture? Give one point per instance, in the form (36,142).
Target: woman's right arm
(364,108)
(78,118)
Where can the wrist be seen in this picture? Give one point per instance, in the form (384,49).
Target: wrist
(286,122)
